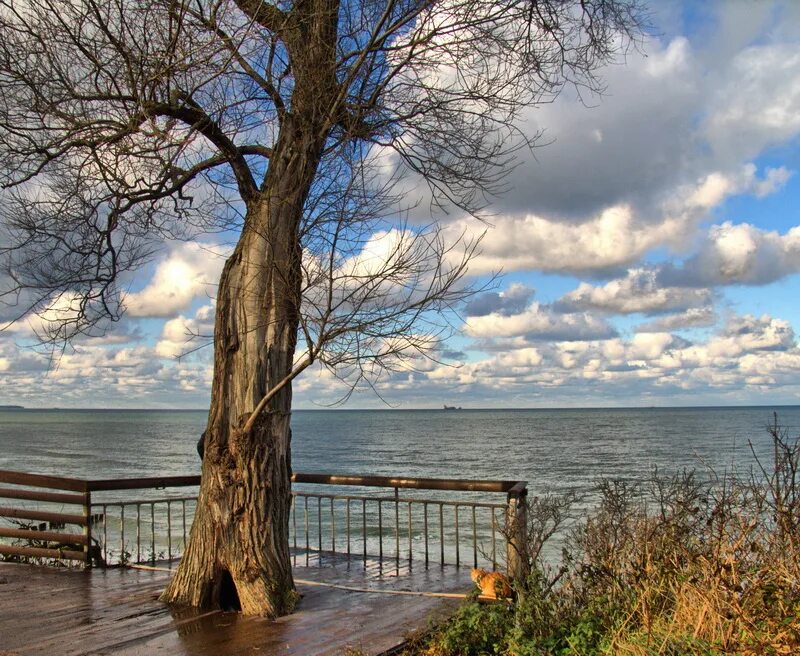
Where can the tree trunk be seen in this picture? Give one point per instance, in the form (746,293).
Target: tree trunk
(238,551)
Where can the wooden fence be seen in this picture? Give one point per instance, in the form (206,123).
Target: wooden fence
(43,533)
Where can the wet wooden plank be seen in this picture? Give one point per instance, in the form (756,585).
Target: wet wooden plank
(41,480)
(117,611)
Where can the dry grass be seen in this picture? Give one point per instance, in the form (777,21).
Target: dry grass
(682,564)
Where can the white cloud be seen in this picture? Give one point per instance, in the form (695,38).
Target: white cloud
(637,292)
(738,254)
(510,301)
(189,271)
(755,106)
(711,190)
(538,322)
(692,318)
(615,237)
(749,333)
(611,239)
(747,353)
(181,335)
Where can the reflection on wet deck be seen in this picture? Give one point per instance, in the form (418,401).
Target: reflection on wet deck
(116,611)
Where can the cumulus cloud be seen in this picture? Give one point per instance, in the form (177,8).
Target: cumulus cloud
(617,236)
(511,301)
(182,335)
(711,190)
(642,140)
(637,292)
(538,322)
(737,254)
(746,355)
(610,240)
(672,140)
(701,317)
(189,271)
(750,333)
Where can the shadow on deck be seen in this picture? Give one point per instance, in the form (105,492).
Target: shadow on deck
(116,611)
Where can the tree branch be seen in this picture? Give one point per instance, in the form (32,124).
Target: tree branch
(302,366)
(193,115)
(264,13)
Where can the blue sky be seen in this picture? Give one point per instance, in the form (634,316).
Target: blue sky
(650,253)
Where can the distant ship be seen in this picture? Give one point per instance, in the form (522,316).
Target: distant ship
(452,407)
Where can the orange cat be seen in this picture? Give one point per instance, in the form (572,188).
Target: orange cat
(492,584)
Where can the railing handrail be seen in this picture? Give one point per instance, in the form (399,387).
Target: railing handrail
(98,485)
(81,546)
(108,484)
(450,484)
(43,480)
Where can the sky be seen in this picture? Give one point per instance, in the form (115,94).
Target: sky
(649,251)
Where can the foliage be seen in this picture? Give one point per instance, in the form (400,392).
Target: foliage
(677,565)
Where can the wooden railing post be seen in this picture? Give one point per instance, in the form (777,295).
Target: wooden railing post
(516,531)
(87,528)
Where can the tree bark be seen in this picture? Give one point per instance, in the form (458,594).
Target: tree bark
(238,551)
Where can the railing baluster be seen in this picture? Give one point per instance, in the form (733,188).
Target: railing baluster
(410,535)
(122,530)
(364,528)
(494,541)
(169,530)
(153,532)
(380,531)
(319,528)
(87,530)
(441,534)
(105,533)
(333,528)
(138,532)
(396,526)
(425,525)
(293,513)
(474,538)
(348,528)
(458,546)
(308,548)
(183,514)
(294,521)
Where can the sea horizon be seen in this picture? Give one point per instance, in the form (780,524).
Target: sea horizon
(418,409)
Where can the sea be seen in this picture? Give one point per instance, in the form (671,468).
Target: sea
(555,450)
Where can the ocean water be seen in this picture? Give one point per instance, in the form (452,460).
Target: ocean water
(554,450)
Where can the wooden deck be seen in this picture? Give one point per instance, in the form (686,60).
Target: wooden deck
(116,611)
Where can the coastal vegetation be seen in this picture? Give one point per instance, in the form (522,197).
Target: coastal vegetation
(699,562)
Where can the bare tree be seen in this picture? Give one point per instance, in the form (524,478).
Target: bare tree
(125,122)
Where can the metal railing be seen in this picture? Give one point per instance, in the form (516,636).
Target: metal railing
(143,530)
(393,527)
(432,521)
(429,530)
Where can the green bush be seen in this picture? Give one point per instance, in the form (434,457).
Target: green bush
(476,630)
